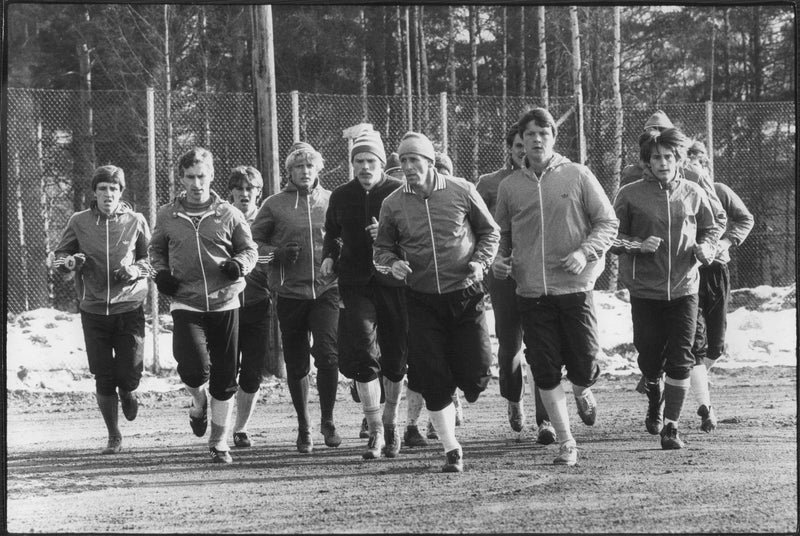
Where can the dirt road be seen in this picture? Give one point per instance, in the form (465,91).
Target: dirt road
(741,478)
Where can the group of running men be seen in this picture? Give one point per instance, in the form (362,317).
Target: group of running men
(387,276)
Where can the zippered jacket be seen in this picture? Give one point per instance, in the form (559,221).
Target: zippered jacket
(740,220)
(257,281)
(438,236)
(350,210)
(293,215)
(543,219)
(680,214)
(488,185)
(193,248)
(109,243)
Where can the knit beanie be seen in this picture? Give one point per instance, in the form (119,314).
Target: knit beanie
(369,141)
(300,146)
(658,120)
(414,142)
(392,163)
(442,160)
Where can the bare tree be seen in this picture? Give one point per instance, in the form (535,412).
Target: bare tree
(168,104)
(424,73)
(523,79)
(577,82)
(451,49)
(541,64)
(504,111)
(364,103)
(473,60)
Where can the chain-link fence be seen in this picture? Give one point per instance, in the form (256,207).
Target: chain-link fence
(56,138)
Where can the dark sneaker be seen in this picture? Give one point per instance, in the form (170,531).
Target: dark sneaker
(391,439)
(374,447)
(432,433)
(412,437)
(200,424)
(516,415)
(669,438)
(587,407)
(364,432)
(241,440)
(354,392)
(546,434)
(304,442)
(130,405)
(328,430)
(709,423)
(567,454)
(655,407)
(220,456)
(114,446)
(454,462)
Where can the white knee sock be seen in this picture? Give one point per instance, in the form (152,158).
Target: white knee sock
(699,382)
(392,390)
(709,362)
(456,399)
(245,404)
(199,397)
(415,403)
(531,383)
(370,395)
(220,422)
(555,400)
(445,423)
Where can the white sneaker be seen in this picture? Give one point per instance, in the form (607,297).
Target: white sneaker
(567,454)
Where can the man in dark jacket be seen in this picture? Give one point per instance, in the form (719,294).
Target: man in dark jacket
(437,234)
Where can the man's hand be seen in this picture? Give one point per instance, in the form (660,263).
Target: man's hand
(501,267)
(651,244)
(231,268)
(575,262)
(400,269)
(288,253)
(70,263)
(723,245)
(126,274)
(372,228)
(326,269)
(704,253)
(167,283)
(475,271)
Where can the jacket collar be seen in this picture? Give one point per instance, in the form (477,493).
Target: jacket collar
(648,176)
(122,208)
(439,183)
(216,204)
(556,161)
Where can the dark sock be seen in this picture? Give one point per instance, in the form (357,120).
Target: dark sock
(327,383)
(109,409)
(298,388)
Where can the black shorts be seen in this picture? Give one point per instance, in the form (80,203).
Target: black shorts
(115,347)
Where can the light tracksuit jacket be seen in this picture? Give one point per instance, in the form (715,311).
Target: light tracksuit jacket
(109,243)
(193,253)
(438,236)
(293,215)
(257,281)
(679,213)
(543,219)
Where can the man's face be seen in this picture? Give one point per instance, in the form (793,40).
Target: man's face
(108,195)
(196,180)
(663,163)
(367,169)
(245,196)
(517,151)
(416,168)
(303,174)
(698,158)
(539,143)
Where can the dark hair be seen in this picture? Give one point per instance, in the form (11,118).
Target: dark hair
(245,175)
(671,138)
(195,156)
(109,173)
(697,147)
(512,134)
(540,116)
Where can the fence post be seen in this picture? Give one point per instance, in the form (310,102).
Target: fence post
(443,112)
(710,134)
(151,175)
(295,115)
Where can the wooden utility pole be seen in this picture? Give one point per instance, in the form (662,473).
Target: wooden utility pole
(266,121)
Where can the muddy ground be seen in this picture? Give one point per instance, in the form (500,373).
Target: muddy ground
(741,478)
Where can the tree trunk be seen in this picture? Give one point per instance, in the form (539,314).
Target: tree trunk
(758,72)
(541,64)
(409,99)
(424,74)
(401,62)
(364,92)
(504,77)
(726,53)
(84,141)
(473,60)
(713,58)
(266,121)
(523,68)
(451,50)
(413,38)
(206,86)
(612,264)
(577,87)
(168,105)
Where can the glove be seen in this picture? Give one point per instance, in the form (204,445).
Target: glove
(288,253)
(70,263)
(126,274)
(167,283)
(231,269)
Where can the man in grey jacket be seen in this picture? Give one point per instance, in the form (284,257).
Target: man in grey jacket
(438,235)
(557,223)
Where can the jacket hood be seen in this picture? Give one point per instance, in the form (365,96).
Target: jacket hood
(292,187)
(216,201)
(556,161)
(122,208)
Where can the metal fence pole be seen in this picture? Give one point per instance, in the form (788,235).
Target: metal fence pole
(443,113)
(295,116)
(710,134)
(151,175)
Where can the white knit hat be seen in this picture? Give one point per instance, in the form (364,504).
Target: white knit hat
(414,142)
(658,120)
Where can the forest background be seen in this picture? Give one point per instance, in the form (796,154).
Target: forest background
(77,77)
